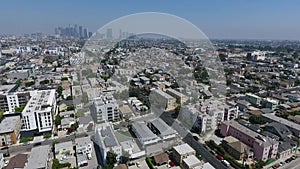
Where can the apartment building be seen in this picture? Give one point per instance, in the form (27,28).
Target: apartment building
(180,98)
(162,100)
(181,152)
(263,147)
(105,108)
(107,141)
(10,98)
(160,128)
(39,111)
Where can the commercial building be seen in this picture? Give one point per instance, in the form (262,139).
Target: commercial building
(181,152)
(162,100)
(263,147)
(160,128)
(39,111)
(144,134)
(9,130)
(10,98)
(107,141)
(38,157)
(105,108)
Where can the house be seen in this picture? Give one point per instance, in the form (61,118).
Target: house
(86,123)
(17,161)
(126,112)
(279,130)
(162,158)
(235,148)
(182,151)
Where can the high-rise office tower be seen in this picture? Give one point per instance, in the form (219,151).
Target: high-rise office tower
(80,32)
(109,33)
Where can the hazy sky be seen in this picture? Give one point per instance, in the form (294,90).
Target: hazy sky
(230,19)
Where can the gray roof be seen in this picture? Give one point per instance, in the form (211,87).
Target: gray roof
(278,129)
(283,121)
(143,131)
(83,141)
(38,157)
(9,124)
(163,128)
(59,146)
(109,139)
(85,119)
(284,146)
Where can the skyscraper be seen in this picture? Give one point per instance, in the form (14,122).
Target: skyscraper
(85,33)
(80,32)
(109,33)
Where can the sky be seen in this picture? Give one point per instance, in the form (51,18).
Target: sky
(230,19)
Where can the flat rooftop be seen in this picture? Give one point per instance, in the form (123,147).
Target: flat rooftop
(38,157)
(162,126)
(165,95)
(143,131)
(183,149)
(9,124)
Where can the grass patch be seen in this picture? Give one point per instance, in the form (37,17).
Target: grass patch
(24,140)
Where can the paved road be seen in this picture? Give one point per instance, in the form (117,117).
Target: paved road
(188,138)
(292,165)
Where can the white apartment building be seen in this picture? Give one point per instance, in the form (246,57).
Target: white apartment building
(107,141)
(105,108)
(39,111)
(10,98)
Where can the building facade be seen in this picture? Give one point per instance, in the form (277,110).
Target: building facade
(39,111)
(105,108)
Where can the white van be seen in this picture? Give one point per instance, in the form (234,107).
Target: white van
(226,163)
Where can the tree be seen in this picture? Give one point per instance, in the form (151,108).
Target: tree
(74,126)
(19,109)
(60,90)
(257,119)
(57,120)
(111,158)
(1,113)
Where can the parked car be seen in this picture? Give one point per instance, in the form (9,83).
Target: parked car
(219,157)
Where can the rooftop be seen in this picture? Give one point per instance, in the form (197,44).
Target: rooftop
(143,131)
(191,160)
(9,124)
(282,121)
(38,157)
(163,128)
(62,145)
(165,95)
(183,149)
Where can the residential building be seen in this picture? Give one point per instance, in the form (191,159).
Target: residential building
(39,157)
(160,128)
(17,161)
(270,103)
(263,147)
(294,127)
(10,98)
(236,148)
(144,134)
(191,162)
(105,108)
(162,100)
(131,147)
(1,161)
(180,98)
(39,111)
(9,130)
(279,130)
(107,141)
(83,150)
(181,152)
(65,153)
(253,99)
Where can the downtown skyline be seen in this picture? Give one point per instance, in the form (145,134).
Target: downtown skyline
(235,19)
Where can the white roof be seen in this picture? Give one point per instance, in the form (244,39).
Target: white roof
(191,160)
(183,149)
